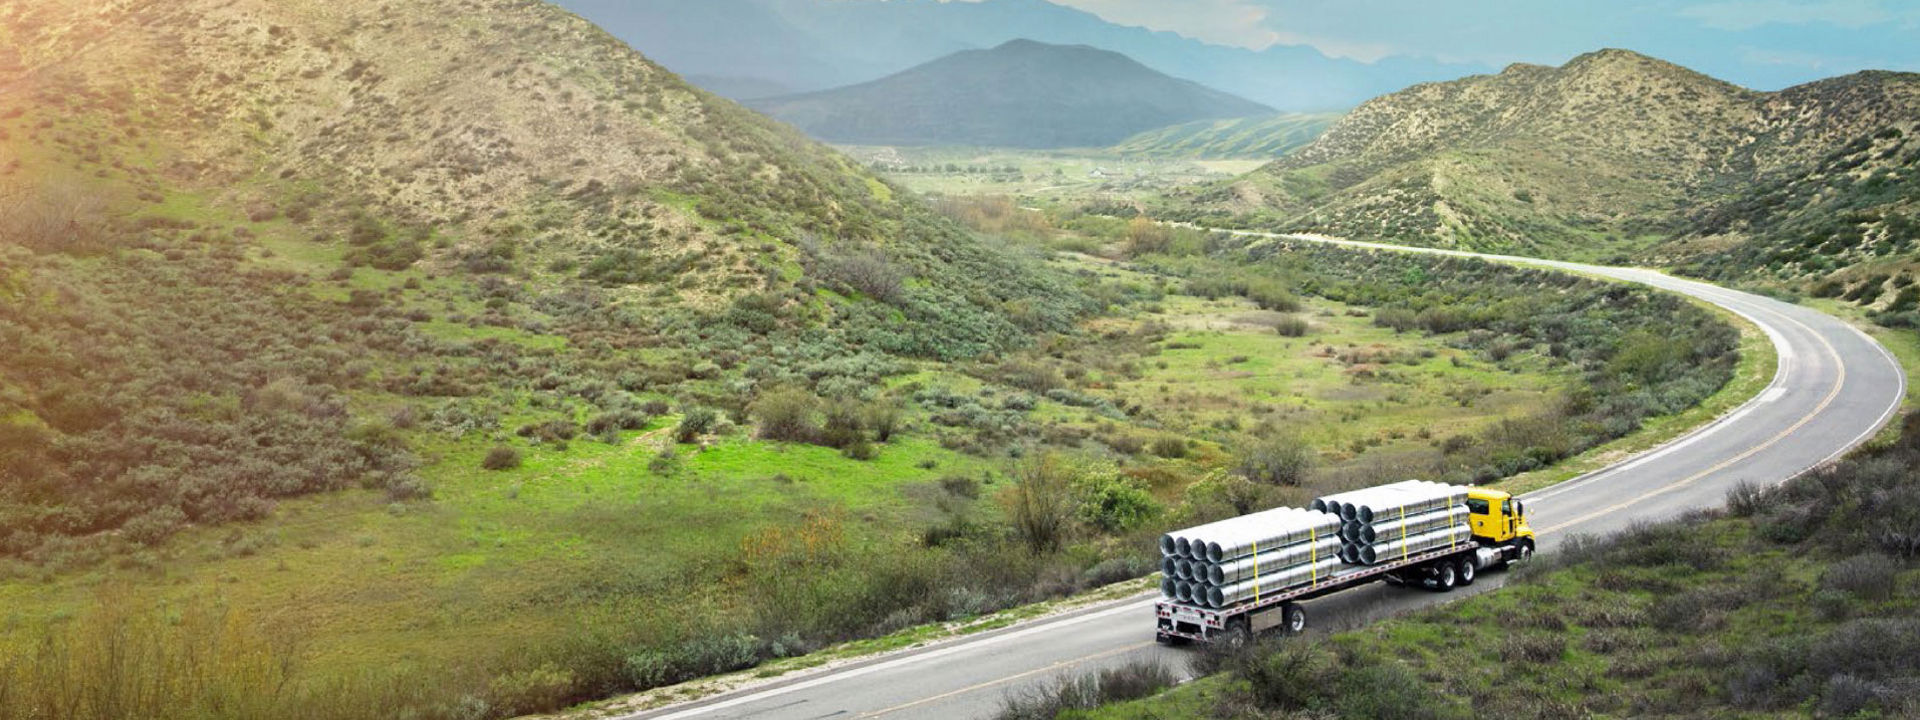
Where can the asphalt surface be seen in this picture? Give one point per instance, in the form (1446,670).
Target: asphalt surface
(1835,388)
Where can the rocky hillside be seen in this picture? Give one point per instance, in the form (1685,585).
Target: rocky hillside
(244,273)
(1021,94)
(1606,156)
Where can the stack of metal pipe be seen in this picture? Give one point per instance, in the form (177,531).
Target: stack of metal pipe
(1223,563)
(1389,522)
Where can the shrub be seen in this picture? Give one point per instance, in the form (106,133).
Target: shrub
(501,457)
(1397,319)
(882,417)
(787,414)
(1170,446)
(1291,326)
(1871,576)
(1533,648)
(1277,459)
(1747,499)
(1040,503)
(960,486)
(1389,691)
(155,525)
(697,421)
(845,426)
(1113,503)
(613,422)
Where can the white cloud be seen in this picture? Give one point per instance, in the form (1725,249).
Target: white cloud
(1740,15)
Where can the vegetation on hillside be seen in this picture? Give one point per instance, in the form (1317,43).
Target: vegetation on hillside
(1793,601)
(1613,156)
(1261,138)
(194,345)
(1844,229)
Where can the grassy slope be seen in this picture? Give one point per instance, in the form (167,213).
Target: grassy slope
(1246,138)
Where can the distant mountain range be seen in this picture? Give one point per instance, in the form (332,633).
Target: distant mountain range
(1613,155)
(1021,94)
(742,47)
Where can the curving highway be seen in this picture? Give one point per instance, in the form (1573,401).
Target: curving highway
(1834,389)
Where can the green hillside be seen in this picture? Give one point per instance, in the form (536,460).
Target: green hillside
(449,359)
(582,216)
(1606,157)
(1256,137)
(1022,94)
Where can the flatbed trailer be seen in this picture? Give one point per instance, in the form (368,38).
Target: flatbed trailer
(1441,570)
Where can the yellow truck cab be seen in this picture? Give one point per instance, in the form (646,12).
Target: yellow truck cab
(1500,521)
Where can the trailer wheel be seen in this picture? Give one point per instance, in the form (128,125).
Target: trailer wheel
(1293,618)
(1444,577)
(1239,633)
(1467,571)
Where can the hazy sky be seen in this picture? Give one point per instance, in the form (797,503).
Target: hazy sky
(1760,43)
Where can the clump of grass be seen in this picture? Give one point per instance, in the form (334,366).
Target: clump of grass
(1133,680)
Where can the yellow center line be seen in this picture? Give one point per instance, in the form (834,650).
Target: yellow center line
(1824,402)
(1009,678)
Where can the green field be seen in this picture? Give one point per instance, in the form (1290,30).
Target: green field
(1065,174)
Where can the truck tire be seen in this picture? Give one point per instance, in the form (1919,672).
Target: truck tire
(1293,619)
(1444,577)
(1239,633)
(1526,552)
(1467,571)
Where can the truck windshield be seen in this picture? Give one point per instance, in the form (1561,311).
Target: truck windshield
(1477,506)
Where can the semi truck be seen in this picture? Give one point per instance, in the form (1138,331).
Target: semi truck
(1500,537)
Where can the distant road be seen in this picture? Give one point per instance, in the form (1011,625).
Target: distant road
(1835,388)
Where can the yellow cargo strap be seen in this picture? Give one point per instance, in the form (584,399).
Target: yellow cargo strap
(1451,538)
(1256,571)
(1313,553)
(1404,552)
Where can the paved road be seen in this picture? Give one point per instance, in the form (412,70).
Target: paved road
(1835,388)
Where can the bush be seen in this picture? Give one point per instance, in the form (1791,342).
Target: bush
(1291,326)
(963,486)
(882,417)
(1040,503)
(787,414)
(1112,503)
(1277,459)
(697,421)
(155,525)
(501,457)
(1871,576)
(1171,447)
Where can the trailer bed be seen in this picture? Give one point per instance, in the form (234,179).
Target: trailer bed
(1195,622)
